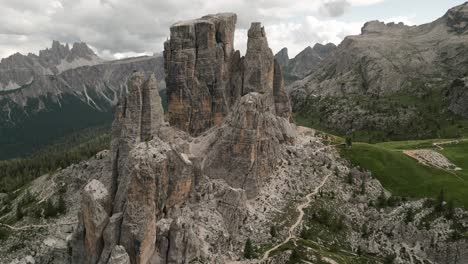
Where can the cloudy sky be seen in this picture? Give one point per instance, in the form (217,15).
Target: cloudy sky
(122,28)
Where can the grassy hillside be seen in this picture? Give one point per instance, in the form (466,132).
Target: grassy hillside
(375,119)
(404,176)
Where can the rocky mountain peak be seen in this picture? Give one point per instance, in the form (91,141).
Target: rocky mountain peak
(282,57)
(82,50)
(56,51)
(304,62)
(206,76)
(229,122)
(20,70)
(378,27)
(324,50)
(258,62)
(457,18)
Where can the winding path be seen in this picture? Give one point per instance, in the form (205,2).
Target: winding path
(300,208)
(439,144)
(20,228)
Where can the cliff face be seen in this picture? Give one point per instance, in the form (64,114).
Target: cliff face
(206,76)
(197,62)
(159,172)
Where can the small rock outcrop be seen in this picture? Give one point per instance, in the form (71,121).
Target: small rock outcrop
(457,96)
(119,256)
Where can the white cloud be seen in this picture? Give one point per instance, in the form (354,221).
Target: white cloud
(297,36)
(117,28)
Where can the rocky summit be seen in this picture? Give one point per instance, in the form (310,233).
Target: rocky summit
(19,70)
(206,76)
(145,212)
(71,86)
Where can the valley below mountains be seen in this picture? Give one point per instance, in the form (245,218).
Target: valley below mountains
(73,88)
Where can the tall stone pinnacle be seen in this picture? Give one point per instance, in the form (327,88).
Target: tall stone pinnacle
(205,76)
(197,62)
(258,62)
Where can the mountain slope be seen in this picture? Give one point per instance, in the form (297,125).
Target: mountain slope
(304,62)
(50,105)
(418,64)
(18,70)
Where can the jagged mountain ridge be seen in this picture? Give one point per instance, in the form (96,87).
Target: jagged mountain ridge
(19,70)
(80,97)
(386,57)
(303,63)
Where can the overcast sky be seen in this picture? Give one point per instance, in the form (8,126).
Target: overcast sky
(122,28)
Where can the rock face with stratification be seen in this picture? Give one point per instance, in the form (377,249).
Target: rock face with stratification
(159,172)
(258,62)
(96,207)
(206,76)
(197,62)
(248,144)
(138,117)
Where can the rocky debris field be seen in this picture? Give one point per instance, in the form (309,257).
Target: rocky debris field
(431,158)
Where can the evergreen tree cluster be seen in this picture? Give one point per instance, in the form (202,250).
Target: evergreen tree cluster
(18,172)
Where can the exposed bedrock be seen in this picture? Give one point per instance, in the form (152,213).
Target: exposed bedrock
(151,210)
(197,62)
(205,76)
(247,145)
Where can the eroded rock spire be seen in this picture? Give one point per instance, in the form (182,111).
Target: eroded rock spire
(205,76)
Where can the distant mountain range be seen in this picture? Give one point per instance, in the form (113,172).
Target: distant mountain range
(61,90)
(19,70)
(392,81)
(305,62)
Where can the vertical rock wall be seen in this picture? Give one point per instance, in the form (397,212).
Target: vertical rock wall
(205,76)
(209,84)
(197,63)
